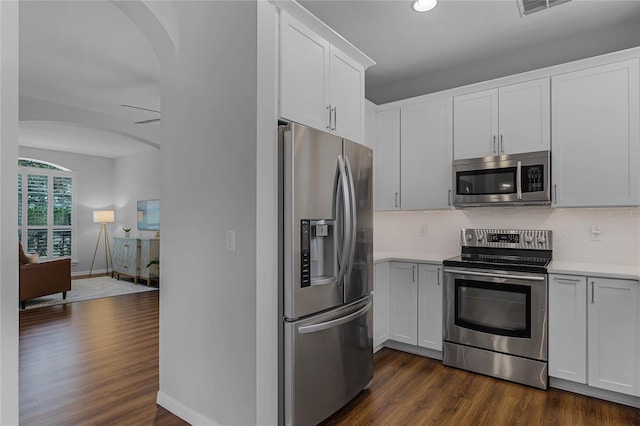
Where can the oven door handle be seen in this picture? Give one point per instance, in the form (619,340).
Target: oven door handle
(490,275)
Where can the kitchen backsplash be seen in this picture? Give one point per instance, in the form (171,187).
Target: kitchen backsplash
(437,233)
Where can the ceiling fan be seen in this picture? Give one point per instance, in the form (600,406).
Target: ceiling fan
(153,120)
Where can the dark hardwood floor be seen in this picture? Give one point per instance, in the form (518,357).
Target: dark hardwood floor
(92,363)
(412,390)
(96,363)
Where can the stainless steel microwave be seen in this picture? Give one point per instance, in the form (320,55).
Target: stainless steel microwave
(504,179)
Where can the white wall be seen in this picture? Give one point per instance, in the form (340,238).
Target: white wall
(94,191)
(8,218)
(136,177)
(620,242)
(208,186)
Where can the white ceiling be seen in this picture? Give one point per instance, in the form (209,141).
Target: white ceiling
(59,136)
(87,54)
(463,42)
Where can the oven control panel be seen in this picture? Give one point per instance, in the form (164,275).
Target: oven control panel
(535,239)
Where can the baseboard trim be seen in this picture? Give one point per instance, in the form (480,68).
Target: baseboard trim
(586,390)
(416,350)
(182,411)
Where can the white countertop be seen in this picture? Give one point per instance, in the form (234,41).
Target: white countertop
(418,257)
(605,270)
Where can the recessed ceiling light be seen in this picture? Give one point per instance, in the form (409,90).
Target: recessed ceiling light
(423,5)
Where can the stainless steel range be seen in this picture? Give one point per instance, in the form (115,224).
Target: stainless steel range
(495,304)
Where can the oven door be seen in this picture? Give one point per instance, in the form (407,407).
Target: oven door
(496,310)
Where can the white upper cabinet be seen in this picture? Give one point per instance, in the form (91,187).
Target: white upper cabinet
(386,161)
(425,161)
(507,120)
(320,86)
(304,80)
(346,98)
(614,335)
(525,117)
(596,138)
(475,124)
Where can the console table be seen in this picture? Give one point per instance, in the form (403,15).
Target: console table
(132,255)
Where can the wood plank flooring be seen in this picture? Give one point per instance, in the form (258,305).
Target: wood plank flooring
(412,390)
(92,363)
(96,363)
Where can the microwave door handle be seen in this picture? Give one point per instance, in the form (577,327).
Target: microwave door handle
(519,180)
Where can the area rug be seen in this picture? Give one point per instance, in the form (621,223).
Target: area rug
(89,288)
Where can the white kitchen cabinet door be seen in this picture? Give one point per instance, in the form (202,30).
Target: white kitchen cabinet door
(304,75)
(596,137)
(524,117)
(475,124)
(370,124)
(614,330)
(380,303)
(426,153)
(386,158)
(430,306)
(346,82)
(403,306)
(568,327)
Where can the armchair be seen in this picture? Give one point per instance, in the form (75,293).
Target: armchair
(43,278)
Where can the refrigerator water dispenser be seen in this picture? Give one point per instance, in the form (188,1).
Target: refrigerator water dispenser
(318,257)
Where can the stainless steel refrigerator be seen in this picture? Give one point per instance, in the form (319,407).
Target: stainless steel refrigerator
(327,273)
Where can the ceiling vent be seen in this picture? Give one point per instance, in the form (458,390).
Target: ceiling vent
(528,7)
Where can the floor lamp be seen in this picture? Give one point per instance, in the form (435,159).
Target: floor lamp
(103,217)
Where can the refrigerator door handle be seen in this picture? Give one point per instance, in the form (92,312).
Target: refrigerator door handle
(336,322)
(346,236)
(352,222)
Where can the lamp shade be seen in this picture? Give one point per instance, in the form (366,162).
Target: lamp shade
(104,216)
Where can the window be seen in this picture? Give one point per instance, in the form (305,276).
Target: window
(45,208)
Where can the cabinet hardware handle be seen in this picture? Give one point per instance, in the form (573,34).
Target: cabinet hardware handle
(555,193)
(414,273)
(329,119)
(335,118)
(501,144)
(571,280)
(396,199)
(438,276)
(494,144)
(593,292)
(449,198)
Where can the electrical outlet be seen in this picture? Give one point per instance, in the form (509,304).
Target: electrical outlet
(424,230)
(595,233)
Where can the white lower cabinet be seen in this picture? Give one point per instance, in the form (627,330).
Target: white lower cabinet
(594,332)
(614,335)
(568,327)
(415,304)
(380,303)
(403,308)
(430,306)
